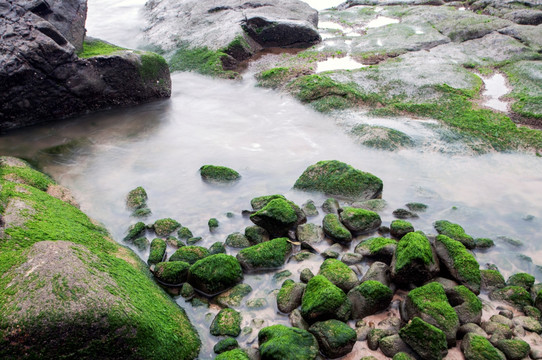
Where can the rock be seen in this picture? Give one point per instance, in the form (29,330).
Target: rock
(134,231)
(213,224)
(415,206)
(399,228)
(369,298)
(141,243)
(226,323)
(171,273)
(289,296)
(302,256)
(259,203)
(378,248)
(393,344)
(309,233)
(218,174)
(92,281)
(521,279)
(339,274)
(331,206)
(497,329)
(322,301)
(136,198)
(502,320)
(351,259)
(419,334)
(306,275)
(371,205)
(158,251)
(513,295)
(184,233)
(165,227)
(455,232)
(233,296)
(483,243)
(403,356)
(332,252)
(256,234)
(374,337)
(532,312)
(235,354)
(360,220)
(414,260)
(277,341)
(374,136)
(309,208)
(460,263)
(447,284)
(391,324)
(215,273)
(277,217)
(362,330)
(226,344)
(466,304)
(189,254)
(217,248)
(514,349)
(529,323)
(476,347)
(194,240)
(378,271)
(335,229)
(282,275)
(339,179)
(297,320)
(187,290)
(430,304)
(237,240)
(44,79)
(267,255)
(404,214)
(335,338)
(491,280)
(470,328)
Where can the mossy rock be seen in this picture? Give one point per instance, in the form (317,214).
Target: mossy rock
(289,296)
(416,206)
(427,340)
(381,137)
(224,345)
(213,224)
(215,273)
(368,298)
(218,174)
(141,243)
(467,305)
(237,240)
(19,171)
(309,208)
(278,342)
(233,296)
(171,273)
(483,243)
(165,227)
(184,233)
(226,323)
(189,254)
(514,349)
(100,300)
(339,179)
(491,280)
(454,231)
(259,202)
(377,248)
(459,262)
(267,255)
(399,228)
(524,280)
(256,234)
(513,295)
(277,217)
(323,301)
(476,347)
(217,248)
(333,228)
(135,231)
(309,233)
(235,354)
(158,251)
(339,274)
(429,302)
(404,214)
(402,356)
(194,240)
(335,338)
(414,261)
(137,198)
(360,220)
(331,206)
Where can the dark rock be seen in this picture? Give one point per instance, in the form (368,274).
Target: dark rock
(309,208)
(351,259)
(306,275)
(289,296)
(369,298)
(136,198)
(335,338)
(217,248)
(514,349)
(226,344)
(414,260)
(529,323)
(491,280)
(466,304)
(378,271)
(513,295)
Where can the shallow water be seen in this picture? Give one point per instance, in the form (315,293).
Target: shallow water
(495,88)
(336,63)
(270,139)
(381,21)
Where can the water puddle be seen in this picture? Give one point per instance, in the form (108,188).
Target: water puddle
(495,88)
(323,4)
(381,21)
(330,30)
(343,63)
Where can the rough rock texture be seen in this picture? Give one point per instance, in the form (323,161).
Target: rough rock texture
(45,80)
(277,341)
(335,338)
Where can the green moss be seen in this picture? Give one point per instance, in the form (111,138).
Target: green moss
(213,224)
(464,262)
(152,66)
(401,356)
(425,339)
(260,202)
(474,303)
(256,234)
(431,299)
(380,137)
(335,229)
(172,272)
(215,273)
(277,341)
(97,48)
(267,255)
(224,345)
(360,220)
(226,323)
(26,175)
(514,295)
(521,279)
(321,299)
(492,278)
(483,243)
(135,231)
(527,91)
(217,248)
(376,244)
(481,349)
(141,243)
(236,354)
(189,254)
(158,251)
(164,227)
(278,209)
(375,292)
(413,247)
(415,206)
(137,198)
(454,231)
(514,349)
(221,174)
(274,77)
(233,297)
(339,274)
(184,233)
(337,335)
(201,60)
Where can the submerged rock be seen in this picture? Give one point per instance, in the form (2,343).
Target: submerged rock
(218,174)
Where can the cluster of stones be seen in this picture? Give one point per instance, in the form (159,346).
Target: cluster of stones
(440,271)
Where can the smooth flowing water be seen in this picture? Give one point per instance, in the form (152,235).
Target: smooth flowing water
(270,139)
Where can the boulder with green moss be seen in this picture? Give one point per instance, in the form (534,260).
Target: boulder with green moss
(466,304)
(339,274)
(309,233)
(454,231)
(224,345)
(514,349)
(259,202)
(237,240)
(215,273)
(459,262)
(399,228)
(277,217)
(164,227)
(524,280)
(134,231)
(217,248)
(429,303)
(335,229)
(427,340)
(184,233)
(171,272)
(158,251)
(218,174)
(335,338)
(368,298)
(289,296)
(339,179)
(226,323)
(104,300)
(235,354)
(377,248)
(491,279)
(256,234)
(512,295)
(189,254)
(323,301)
(136,198)
(476,347)
(233,296)
(378,271)
(267,255)
(278,342)
(414,260)
(360,220)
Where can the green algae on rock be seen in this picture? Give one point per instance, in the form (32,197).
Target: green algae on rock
(332,226)
(454,231)
(513,295)
(277,217)
(226,323)
(134,231)
(399,228)
(235,354)
(278,341)
(189,254)
(218,174)
(158,251)
(378,248)
(335,338)
(369,298)
(164,227)
(339,179)
(289,296)
(427,340)
(267,255)
(380,137)
(233,296)
(136,198)
(359,220)
(323,300)
(339,274)
(215,273)
(224,345)
(171,272)
(476,347)
(414,260)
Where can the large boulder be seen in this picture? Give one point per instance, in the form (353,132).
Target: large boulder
(323,301)
(42,78)
(98,301)
(369,298)
(215,273)
(339,179)
(414,261)
(335,338)
(427,340)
